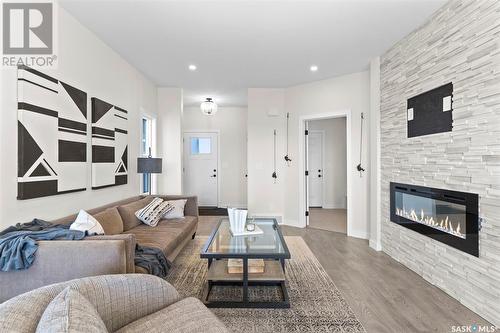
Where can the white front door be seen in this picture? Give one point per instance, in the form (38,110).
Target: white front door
(200,167)
(315,167)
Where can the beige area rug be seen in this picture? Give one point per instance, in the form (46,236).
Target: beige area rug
(316,303)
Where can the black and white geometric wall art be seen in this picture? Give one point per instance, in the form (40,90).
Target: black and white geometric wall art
(431,112)
(52,136)
(109,144)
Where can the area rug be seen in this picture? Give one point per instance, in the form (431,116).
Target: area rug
(316,303)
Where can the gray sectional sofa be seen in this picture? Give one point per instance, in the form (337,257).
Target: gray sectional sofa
(113,253)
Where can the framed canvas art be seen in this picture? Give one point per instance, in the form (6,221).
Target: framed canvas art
(52,136)
(109,144)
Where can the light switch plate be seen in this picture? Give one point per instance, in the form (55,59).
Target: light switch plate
(446,103)
(410,114)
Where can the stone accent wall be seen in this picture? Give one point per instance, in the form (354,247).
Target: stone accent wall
(459,44)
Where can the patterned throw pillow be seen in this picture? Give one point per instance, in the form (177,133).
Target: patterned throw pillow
(153,212)
(71,312)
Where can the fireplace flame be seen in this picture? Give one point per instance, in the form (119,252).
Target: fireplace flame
(445,225)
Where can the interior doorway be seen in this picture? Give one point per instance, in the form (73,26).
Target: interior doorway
(326,179)
(201,167)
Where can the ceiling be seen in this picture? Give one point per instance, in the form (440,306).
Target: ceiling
(242,44)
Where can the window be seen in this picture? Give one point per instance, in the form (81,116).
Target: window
(147,143)
(201,146)
(146,130)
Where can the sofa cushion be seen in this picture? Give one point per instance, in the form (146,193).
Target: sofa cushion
(127,212)
(188,315)
(70,311)
(110,220)
(167,235)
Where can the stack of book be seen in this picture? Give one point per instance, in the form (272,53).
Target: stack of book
(235,266)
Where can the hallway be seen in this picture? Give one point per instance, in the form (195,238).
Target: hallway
(328,219)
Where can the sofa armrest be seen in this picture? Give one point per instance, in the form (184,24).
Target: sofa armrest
(130,242)
(61,260)
(119,299)
(191,208)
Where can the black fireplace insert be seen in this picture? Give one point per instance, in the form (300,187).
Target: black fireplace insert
(450,217)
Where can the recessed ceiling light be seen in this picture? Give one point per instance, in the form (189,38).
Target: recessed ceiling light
(313,68)
(192,67)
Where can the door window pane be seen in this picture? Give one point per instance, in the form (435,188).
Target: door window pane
(201,146)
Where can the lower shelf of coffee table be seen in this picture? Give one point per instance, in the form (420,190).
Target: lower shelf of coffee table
(272,272)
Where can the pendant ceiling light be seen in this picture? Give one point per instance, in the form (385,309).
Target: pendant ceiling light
(208,107)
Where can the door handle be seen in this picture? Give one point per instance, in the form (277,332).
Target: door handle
(213,176)
(319,176)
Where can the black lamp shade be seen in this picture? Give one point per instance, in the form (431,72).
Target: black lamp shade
(148,165)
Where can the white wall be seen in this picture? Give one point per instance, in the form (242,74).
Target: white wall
(334,161)
(266,197)
(374,121)
(348,92)
(90,65)
(169,132)
(231,124)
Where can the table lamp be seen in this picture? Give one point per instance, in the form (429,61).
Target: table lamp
(148,165)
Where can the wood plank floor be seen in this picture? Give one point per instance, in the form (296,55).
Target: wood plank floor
(385,295)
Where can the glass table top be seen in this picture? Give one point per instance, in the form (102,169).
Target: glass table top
(270,243)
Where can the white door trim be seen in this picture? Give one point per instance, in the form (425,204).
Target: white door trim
(323,151)
(305,166)
(219,171)
(302,195)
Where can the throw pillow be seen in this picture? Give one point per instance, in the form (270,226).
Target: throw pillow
(153,212)
(71,312)
(178,211)
(86,222)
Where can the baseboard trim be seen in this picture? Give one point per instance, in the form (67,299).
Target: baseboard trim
(377,246)
(334,206)
(357,234)
(279,218)
(225,205)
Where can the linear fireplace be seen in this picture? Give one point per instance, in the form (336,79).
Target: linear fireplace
(450,217)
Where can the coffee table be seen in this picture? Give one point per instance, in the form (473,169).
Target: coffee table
(270,246)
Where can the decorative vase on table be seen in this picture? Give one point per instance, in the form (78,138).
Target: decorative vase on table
(237,220)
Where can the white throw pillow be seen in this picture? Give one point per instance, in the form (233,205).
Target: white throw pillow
(153,212)
(178,211)
(86,222)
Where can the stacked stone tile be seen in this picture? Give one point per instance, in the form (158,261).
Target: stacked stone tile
(459,44)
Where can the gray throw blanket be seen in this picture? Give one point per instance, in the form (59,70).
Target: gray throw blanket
(18,245)
(152,260)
